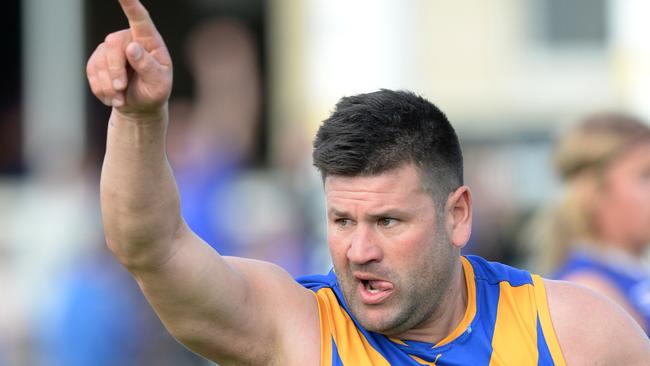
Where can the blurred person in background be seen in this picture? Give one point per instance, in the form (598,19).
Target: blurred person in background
(212,148)
(214,140)
(598,233)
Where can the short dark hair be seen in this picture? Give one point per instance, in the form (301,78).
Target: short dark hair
(371,133)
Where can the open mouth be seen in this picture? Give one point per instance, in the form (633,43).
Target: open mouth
(373,291)
(370,286)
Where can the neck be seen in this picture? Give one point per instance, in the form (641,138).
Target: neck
(619,243)
(614,254)
(630,248)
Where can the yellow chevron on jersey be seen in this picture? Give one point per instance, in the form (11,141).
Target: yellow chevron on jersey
(506,322)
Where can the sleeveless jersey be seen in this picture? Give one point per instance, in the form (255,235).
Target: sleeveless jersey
(506,322)
(631,279)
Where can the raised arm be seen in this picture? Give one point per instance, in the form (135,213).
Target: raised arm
(229,310)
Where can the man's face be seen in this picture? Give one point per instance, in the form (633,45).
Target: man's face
(624,202)
(392,260)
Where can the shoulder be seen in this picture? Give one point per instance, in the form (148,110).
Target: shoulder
(607,287)
(592,329)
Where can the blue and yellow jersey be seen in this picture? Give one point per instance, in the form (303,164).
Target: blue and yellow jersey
(506,322)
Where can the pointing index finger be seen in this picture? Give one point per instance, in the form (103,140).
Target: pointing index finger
(139,20)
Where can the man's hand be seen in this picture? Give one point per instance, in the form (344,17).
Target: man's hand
(132,70)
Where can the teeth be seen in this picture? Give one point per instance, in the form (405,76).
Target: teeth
(370,289)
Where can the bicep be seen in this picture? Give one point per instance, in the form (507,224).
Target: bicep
(288,311)
(219,306)
(592,329)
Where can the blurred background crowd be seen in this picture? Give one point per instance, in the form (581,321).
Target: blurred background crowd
(253,80)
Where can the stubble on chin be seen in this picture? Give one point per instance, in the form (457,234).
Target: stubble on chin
(387,318)
(411,305)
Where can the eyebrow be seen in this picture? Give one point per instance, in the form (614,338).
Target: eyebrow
(391,212)
(334,212)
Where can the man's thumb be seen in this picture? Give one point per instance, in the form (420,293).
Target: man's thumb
(140,60)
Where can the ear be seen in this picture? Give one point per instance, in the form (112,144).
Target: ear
(458,216)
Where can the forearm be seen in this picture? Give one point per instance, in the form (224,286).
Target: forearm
(139,198)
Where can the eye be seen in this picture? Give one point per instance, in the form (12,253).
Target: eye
(342,222)
(387,221)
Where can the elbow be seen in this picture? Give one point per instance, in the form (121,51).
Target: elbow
(139,245)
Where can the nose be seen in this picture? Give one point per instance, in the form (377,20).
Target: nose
(364,247)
